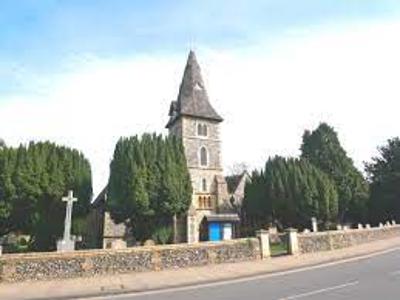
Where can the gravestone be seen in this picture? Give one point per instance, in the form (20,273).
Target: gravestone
(67,243)
(273,235)
(360,226)
(272,230)
(314,224)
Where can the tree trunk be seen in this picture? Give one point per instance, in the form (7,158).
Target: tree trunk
(175,229)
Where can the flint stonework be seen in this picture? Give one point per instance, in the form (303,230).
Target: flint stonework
(331,240)
(47,266)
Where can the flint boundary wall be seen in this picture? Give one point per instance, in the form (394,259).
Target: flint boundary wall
(331,240)
(52,265)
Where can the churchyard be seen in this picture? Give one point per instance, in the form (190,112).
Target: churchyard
(169,205)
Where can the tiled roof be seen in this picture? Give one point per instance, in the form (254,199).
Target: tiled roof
(223,218)
(192,99)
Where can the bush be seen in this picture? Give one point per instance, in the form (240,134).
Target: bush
(23,242)
(162,235)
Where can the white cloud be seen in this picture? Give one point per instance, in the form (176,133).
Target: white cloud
(268,94)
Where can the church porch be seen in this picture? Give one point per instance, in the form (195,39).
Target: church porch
(218,227)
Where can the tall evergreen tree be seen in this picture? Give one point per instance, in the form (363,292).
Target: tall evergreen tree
(7,190)
(256,209)
(322,148)
(33,179)
(149,185)
(289,192)
(384,176)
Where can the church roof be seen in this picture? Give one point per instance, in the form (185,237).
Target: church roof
(233,181)
(192,98)
(101,198)
(223,218)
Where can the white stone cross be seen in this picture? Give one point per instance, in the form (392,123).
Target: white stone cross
(68,215)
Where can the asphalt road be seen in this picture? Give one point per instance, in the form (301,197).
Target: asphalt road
(374,278)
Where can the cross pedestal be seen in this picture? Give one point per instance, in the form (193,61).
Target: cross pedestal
(67,243)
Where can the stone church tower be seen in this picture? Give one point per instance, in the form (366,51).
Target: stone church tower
(215,200)
(195,121)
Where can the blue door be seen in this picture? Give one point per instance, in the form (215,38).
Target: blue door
(214,231)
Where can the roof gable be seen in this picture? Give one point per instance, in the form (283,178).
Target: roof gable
(234,181)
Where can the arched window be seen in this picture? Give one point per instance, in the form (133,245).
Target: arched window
(200,202)
(209,202)
(204,185)
(202,129)
(199,129)
(203,157)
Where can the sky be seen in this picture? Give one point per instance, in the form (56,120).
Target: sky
(84,73)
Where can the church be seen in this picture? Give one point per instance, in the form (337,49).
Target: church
(213,213)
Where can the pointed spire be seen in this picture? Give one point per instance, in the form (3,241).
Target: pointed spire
(192,73)
(193,99)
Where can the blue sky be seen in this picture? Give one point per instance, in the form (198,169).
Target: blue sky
(42,36)
(84,73)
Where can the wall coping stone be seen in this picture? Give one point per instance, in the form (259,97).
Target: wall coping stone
(340,232)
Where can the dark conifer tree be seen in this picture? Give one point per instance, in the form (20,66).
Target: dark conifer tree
(384,176)
(33,179)
(322,148)
(289,194)
(149,185)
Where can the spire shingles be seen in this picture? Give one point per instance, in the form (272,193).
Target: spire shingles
(192,99)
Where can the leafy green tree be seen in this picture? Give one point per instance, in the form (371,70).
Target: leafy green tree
(384,177)
(33,179)
(322,148)
(149,185)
